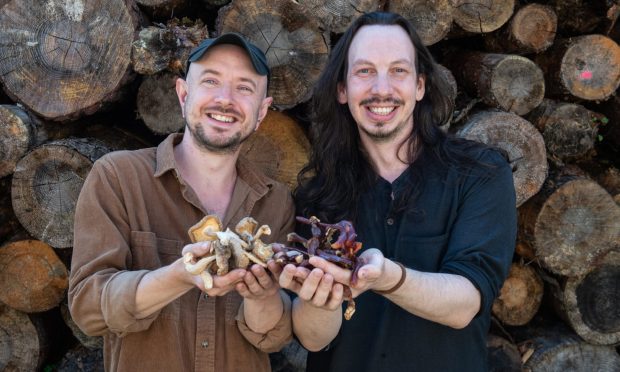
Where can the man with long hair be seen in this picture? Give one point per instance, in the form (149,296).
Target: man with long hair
(436,215)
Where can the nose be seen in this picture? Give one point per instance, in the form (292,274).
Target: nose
(223,95)
(381,85)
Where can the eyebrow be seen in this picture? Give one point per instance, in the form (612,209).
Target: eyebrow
(217,73)
(367,62)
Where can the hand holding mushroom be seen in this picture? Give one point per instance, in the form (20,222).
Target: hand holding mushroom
(230,250)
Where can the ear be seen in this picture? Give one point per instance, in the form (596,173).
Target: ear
(420,87)
(264,109)
(342,93)
(181,88)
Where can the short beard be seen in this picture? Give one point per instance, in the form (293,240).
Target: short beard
(229,146)
(380,135)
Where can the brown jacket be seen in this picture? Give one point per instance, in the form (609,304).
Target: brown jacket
(132,216)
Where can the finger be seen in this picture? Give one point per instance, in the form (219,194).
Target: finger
(336,297)
(243,290)
(310,285)
(340,275)
(302,273)
(275,269)
(287,277)
(197,249)
(264,279)
(323,291)
(230,279)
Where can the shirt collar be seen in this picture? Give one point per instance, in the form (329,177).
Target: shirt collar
(247,171)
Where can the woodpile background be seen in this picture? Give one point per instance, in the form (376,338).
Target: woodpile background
(538,79)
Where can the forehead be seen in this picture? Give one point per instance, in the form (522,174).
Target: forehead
(226,57)
(381,44)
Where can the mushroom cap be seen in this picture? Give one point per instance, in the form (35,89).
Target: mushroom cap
(205,229)
(246,225)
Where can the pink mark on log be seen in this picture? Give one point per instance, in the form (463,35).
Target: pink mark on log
(586,75)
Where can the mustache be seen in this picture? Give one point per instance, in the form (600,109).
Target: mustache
(393,100)
(224,111)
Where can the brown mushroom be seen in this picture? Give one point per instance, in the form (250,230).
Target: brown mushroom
(205,229)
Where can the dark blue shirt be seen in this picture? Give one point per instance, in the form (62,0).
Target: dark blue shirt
(463,223)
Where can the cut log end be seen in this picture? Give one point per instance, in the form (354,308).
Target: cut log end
(63,60)
(34,279)
(279,148)
(520,139)
(46,185)
(577,224)
(482,16)
(295,46)
(534,27)
(588,77)
(431,19)
(520,296)
(518,85)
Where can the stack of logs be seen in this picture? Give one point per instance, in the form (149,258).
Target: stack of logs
(538,79)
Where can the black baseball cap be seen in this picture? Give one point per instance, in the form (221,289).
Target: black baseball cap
(259,61)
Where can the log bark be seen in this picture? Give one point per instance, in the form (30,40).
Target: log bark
(160,48)
(19,131)
(63,59)
(82,359)
(337,15)
(89,342)
(589,303)
(611,130)
(33,277)
(570,224)
(577,17)
(520,296)
(9,224)
(279,148)
(291,37)
(559,350)
(212,4)
(161,8)
(46,185)
(610,180)
(158,104)
(432,19)
(503,355)
(508,82)
(24,342)
(532,29)
(569,129)
(482,16)
(522,142)
(586,67)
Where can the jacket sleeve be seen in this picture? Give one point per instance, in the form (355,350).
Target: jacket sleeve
(102,290)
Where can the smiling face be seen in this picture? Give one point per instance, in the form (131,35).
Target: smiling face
(382,86)
(222,99)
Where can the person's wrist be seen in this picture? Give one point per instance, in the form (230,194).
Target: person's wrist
(396,283)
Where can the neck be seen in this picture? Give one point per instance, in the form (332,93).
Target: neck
(211,175)
(388,158)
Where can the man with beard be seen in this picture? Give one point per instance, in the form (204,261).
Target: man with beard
(128,282)
(436,215)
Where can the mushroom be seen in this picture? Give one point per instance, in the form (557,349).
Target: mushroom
(205,229)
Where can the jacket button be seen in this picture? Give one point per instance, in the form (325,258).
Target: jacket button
(205,343)
(390,221)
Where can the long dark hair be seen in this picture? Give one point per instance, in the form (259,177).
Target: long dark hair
(338,171)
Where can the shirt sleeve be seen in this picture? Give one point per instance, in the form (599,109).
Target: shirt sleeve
(483,236)
(102,290)
(275,339)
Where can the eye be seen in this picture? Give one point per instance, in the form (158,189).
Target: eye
(209,81)
(246,89)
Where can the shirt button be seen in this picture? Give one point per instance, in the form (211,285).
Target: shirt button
(205,343)
(390,221)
